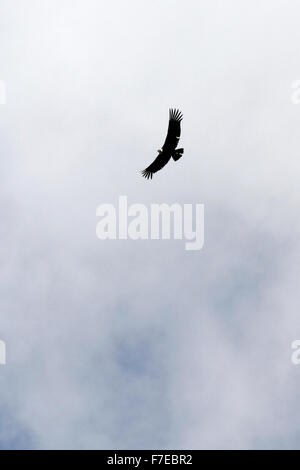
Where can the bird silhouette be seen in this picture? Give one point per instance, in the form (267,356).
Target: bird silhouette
(168,150)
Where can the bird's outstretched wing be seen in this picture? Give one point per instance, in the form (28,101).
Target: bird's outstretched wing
(160,161)
(173,135)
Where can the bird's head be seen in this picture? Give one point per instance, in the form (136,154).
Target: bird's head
(159,150)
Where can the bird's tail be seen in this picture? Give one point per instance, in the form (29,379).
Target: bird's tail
(147,174)
(177,154)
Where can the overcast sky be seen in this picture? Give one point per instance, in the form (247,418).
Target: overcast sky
(141,344)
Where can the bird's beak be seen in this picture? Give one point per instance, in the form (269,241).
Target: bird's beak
(159,150)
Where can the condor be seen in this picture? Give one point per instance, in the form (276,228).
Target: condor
(168,150)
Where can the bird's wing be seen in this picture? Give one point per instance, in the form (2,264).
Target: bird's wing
(160,161)
(173,135)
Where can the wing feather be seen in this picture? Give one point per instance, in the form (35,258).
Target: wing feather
(160,161)
(173,135)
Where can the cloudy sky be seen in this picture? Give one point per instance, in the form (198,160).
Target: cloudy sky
(141,344)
